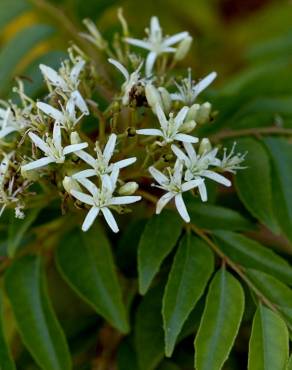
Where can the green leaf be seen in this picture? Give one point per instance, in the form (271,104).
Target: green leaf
(6,361)
(289,366)
(220,322)
(190,272)
(17,230)
(269,342)
(210,217)
(277,292)
(254,183)
(281,154)
(158,239)
(86,263)
(149,338)
(250,253)
(17,47)
(34,315)
(11,9)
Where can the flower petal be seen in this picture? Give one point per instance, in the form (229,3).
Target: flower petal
(216,177)
(204,83)
(180,154)
(128,199)
(150,60)
(162,202)
(39,143)
(84,174)
(84,198)
(86,158)
(181,207)
(158,176)
(192,184)
(203,192)
(125,162)
(110,219)
(51,112)
(90,218)
(53,77)
(180,117)
(75,71)
(149,131)
(110,147)
(186,138)
(89,185)
(175,38)
(120,67)
(161,117)
(139,43)
(74,148)
(57,137)
(37,164)
(80,102)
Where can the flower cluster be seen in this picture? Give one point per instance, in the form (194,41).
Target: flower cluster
(97,159)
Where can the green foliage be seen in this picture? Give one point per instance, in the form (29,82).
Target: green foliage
(145,294)
(36,320)
(155,244)
(191,269)
(269,342)
(87,264)
(221,319)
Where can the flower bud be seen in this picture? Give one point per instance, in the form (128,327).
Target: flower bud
(192,113)
(203,115)
(188,126)
(70,184)
(152,96)
(183,48)
(129,188)
(205,146)
(75,138)
(166,99)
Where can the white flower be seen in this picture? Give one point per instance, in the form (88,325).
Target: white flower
(101,164)
(9,190)
(67,117)
(101,199)
(130,79)
(231,162)
(197,166)
(171,128)
(188,90)
(67,80)
(9,123)
(52,148)
(156,43)
(174,187)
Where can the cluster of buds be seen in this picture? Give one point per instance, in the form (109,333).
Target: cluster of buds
(146,131)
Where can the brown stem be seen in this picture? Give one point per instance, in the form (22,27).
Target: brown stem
(238,269)
(247,132)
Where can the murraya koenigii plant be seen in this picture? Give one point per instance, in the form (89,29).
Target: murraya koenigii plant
(145,136)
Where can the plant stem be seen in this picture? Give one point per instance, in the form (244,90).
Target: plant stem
(248,132)
(238,269)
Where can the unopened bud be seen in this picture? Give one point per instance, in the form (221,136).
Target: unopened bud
(166,99)
(203,115)
(205,146)
(183,48)
(152,95)
(70,184)
(192,113)
(188,126)
(129,188)
(75,138)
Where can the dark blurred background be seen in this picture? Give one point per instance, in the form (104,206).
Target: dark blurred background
(229,35)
